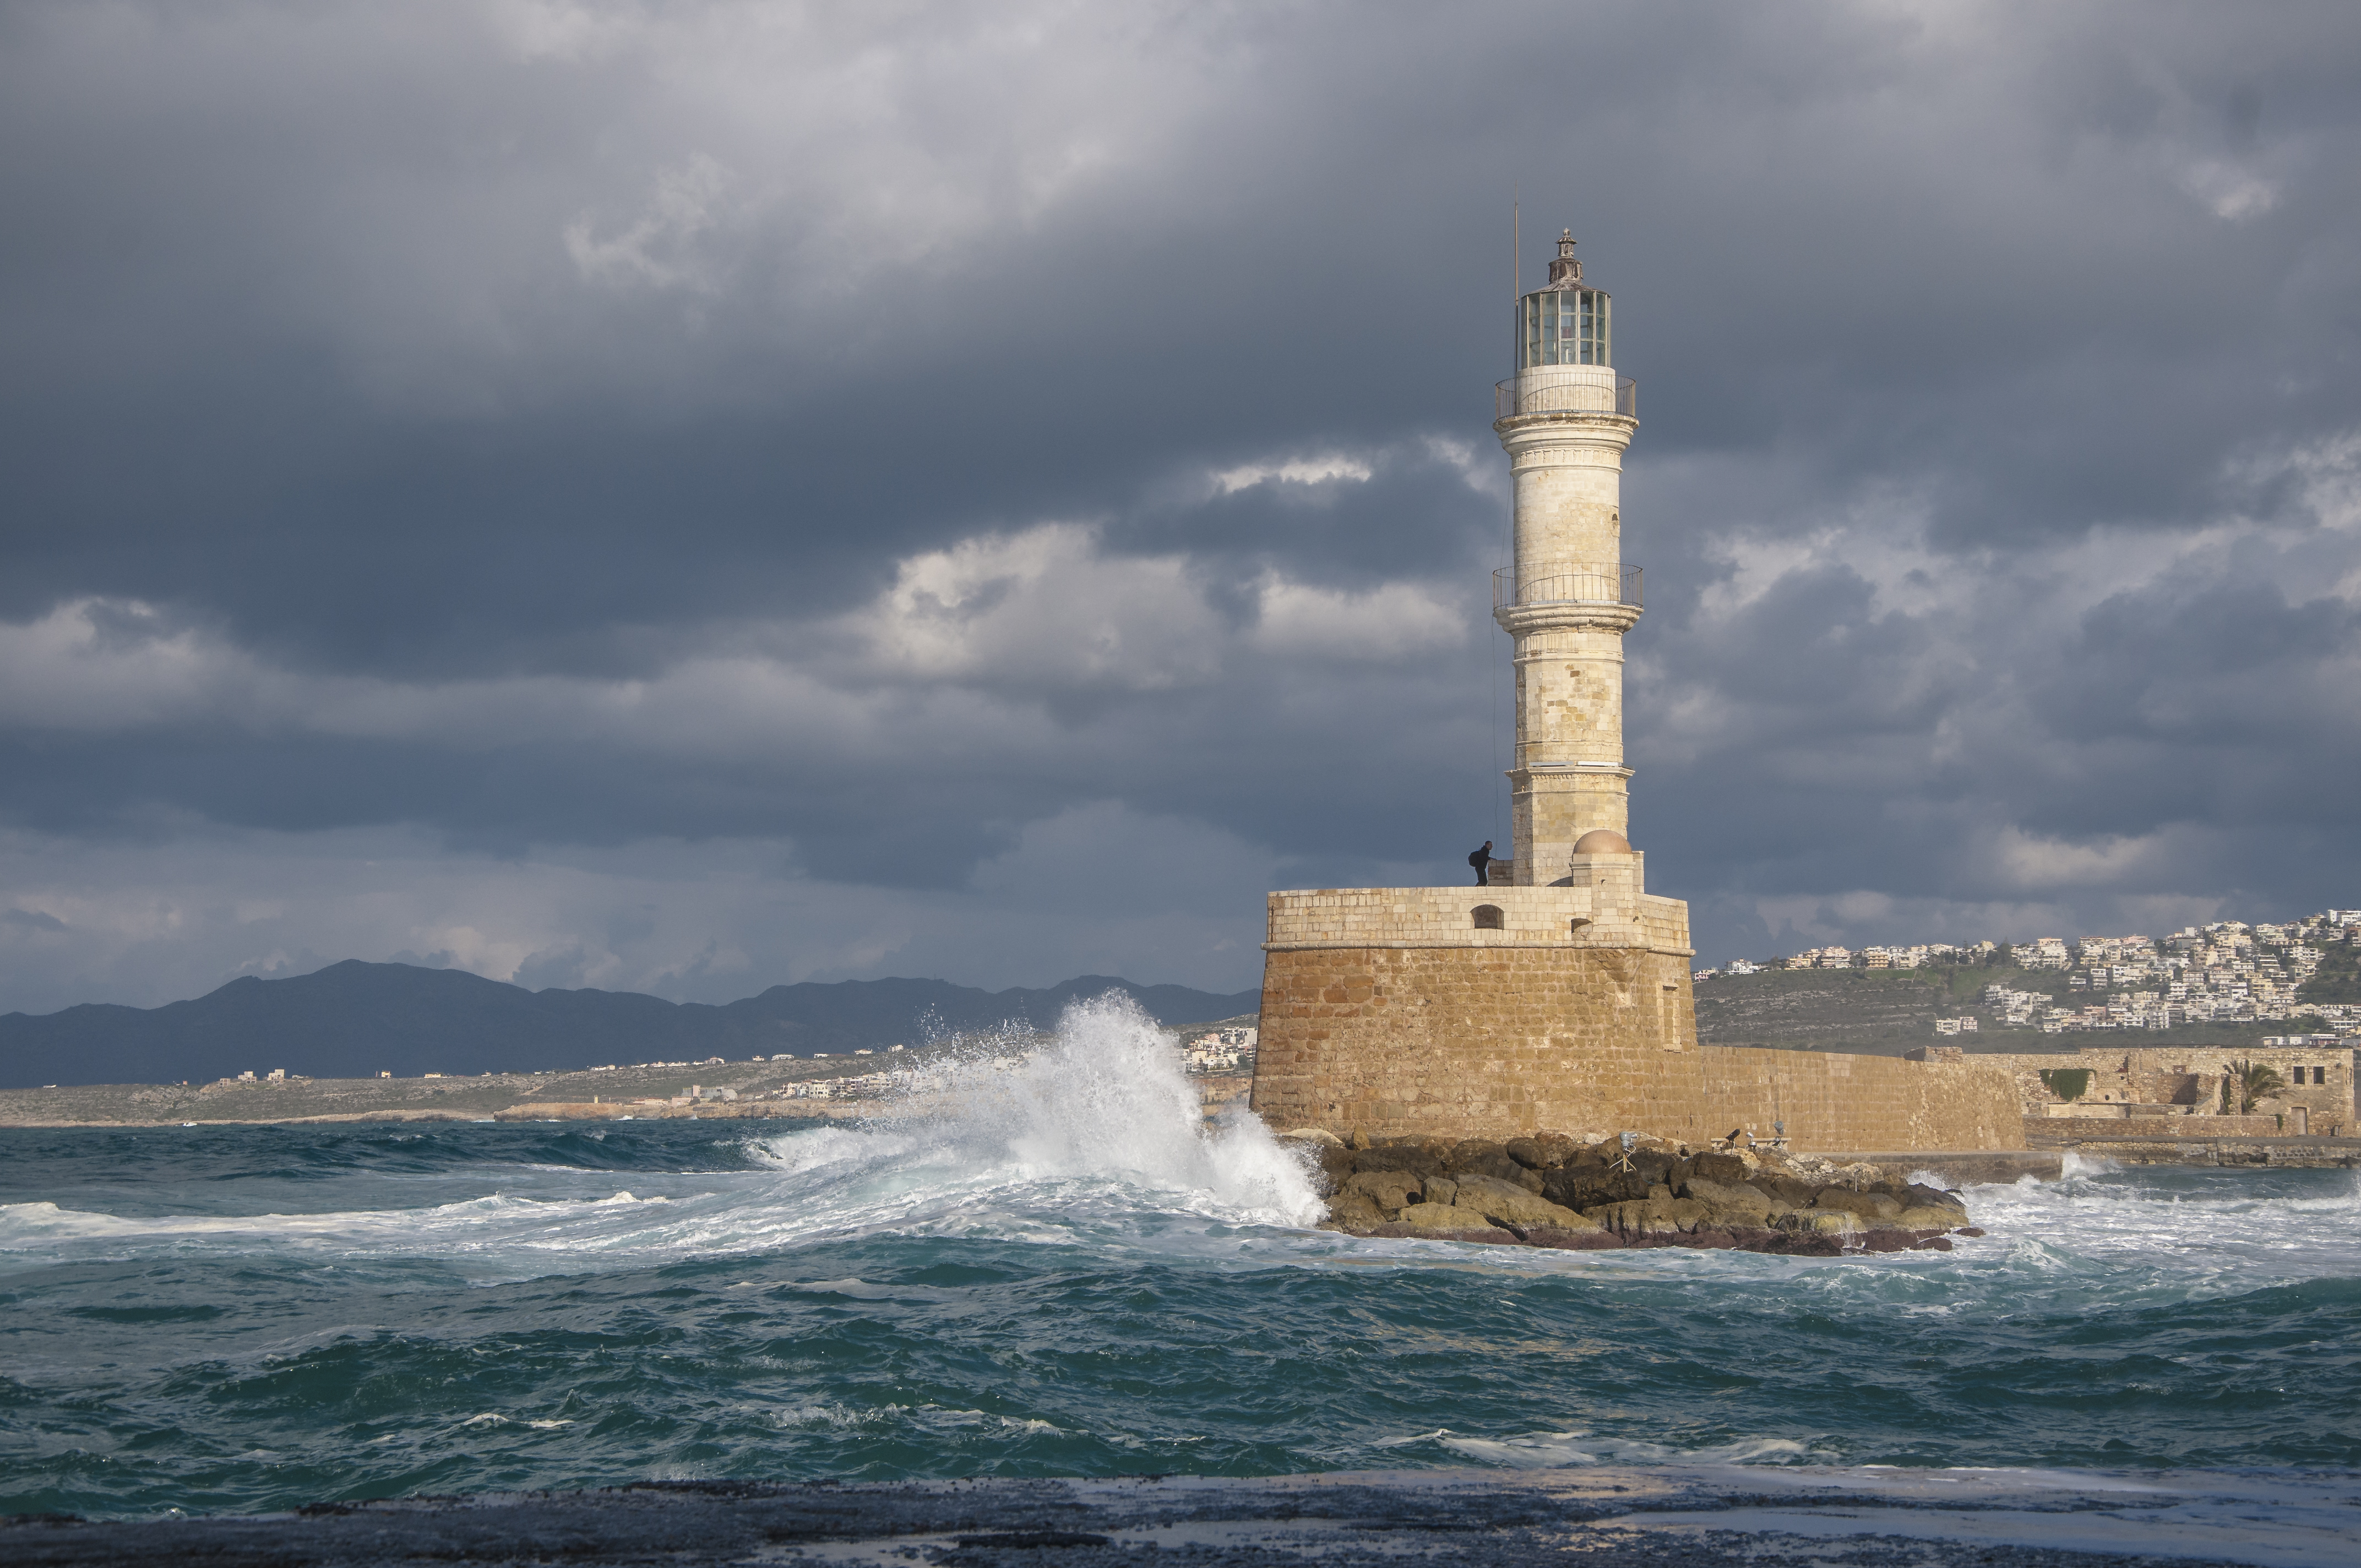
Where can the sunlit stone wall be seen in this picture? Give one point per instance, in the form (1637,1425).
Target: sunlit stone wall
(1391,1010)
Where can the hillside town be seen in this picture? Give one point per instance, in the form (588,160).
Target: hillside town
(1227,1049)
(2227,972)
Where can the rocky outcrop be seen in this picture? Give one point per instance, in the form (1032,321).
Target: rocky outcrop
(1511,1205)
(1549,1189)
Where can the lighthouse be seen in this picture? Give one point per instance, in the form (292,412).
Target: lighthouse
(1557,997)
(1567,598)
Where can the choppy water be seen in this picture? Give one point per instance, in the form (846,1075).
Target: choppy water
(1067,1278)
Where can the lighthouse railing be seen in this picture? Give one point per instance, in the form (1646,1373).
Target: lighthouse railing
(1519,396)
(1567,581)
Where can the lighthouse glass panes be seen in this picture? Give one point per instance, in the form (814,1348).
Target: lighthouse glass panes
(1563,326)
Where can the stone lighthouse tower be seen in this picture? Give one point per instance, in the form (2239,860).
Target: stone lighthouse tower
(1553,994)
(1564,418)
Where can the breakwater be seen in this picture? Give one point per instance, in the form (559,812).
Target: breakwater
(1588,1194)
(2162,1142)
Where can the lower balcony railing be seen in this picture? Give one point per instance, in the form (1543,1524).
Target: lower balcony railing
(1567,581)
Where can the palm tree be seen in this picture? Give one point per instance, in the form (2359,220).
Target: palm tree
(2250,1082)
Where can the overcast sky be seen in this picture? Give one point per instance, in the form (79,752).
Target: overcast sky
(691,498)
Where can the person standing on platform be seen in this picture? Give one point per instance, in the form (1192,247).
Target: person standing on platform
(1482,861)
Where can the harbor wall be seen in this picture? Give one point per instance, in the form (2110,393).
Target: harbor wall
(1492,1041)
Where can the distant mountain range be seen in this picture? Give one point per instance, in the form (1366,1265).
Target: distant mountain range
(357,1020)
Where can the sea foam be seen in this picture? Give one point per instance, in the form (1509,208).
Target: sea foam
(1102,1105)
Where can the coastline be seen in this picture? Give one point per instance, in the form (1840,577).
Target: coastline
(20,1109)
(647,1095)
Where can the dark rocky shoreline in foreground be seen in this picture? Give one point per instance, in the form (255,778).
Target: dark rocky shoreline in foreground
(1548,1189)
(1605,1516)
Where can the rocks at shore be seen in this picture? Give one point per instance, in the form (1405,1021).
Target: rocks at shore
(1550,1190)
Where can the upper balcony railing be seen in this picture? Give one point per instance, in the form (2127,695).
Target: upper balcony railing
(1558,398)
(1567,581)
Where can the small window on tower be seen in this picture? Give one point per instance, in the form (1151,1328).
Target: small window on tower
(1487,917)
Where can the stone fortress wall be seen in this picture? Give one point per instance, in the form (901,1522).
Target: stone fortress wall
(1390,1011)
(2135,1081)
(1612,915)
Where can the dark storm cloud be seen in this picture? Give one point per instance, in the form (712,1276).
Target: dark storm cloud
(954,457)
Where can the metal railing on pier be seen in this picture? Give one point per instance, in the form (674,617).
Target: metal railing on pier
(1568,581)
(1519,395)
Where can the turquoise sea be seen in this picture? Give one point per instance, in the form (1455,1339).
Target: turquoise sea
(1053,1272)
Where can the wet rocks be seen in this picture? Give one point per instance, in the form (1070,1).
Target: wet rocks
(1665,1216)
(1868,1205)
(1735,1201)
(1555,1190)
(1356,1212)
(1389,1190)
(1820,1221)
(1445,1220)
(1514,1205)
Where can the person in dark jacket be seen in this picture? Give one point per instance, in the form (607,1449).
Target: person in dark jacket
(1482,861)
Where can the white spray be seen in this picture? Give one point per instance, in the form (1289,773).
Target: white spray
(1103,1102)
(1092,1135)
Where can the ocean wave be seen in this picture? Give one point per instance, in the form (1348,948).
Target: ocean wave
(1550,1450)
(1104,1108)
(929,1296)
(1098,1137)
(24,1225)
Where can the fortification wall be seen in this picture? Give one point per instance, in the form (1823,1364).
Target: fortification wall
(1601,904)
(2187,1080)
(1490,1037)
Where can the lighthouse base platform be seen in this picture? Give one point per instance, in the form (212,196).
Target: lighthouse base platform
(1493,1012)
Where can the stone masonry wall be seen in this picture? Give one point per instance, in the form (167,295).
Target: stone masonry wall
(1482,1040)
(2187,1080)
(1613,917)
